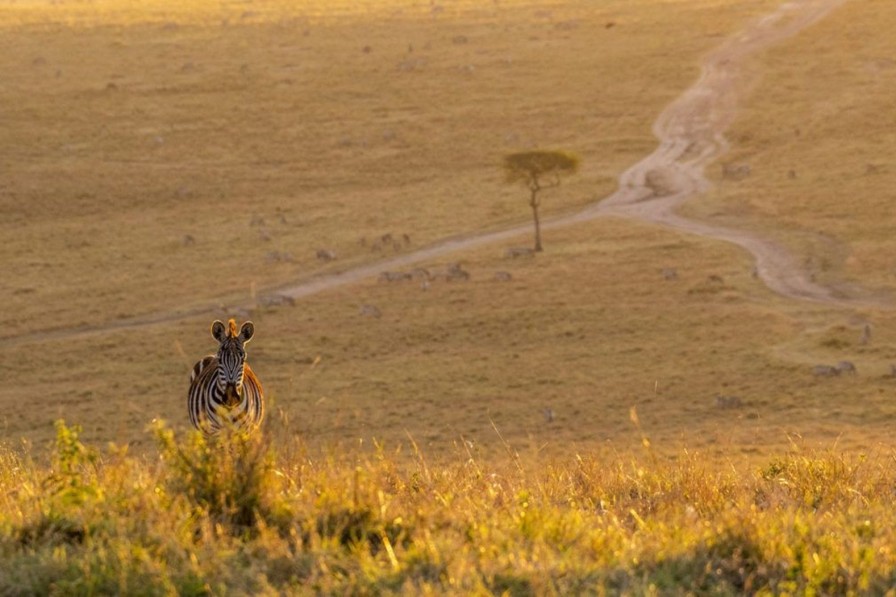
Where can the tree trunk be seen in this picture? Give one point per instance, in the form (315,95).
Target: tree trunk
(534,203)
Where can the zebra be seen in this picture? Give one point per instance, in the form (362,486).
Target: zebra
(224,391)
(846,367)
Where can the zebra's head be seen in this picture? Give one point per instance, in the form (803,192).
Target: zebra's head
(232,357)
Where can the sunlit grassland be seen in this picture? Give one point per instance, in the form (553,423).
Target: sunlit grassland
(557,433)
(817,135)
(589,329)
(279,134)
(257,518)
(129,131)
(553,359)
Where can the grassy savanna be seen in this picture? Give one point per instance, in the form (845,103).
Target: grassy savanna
(594,422)
(251,519)
(814,131)
(117,155)
(275,133)
(589,329)
(128,131)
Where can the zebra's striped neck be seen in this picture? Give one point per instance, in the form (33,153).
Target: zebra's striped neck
(221,381)
(228,393)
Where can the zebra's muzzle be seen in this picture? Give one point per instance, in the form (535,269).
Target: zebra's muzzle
(231,395)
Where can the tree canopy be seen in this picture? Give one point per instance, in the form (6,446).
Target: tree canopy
(531,166)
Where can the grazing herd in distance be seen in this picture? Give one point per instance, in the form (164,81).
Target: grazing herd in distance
(225,392)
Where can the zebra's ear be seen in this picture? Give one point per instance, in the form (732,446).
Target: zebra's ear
(219,331)
(247,331)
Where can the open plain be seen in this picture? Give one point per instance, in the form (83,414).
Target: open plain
(166,166)
(689,391)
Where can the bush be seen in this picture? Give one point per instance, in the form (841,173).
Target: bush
(231,477)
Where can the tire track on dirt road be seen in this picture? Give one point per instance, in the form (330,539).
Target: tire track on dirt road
(690,131)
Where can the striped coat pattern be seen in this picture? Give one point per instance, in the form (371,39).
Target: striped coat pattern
(224,392)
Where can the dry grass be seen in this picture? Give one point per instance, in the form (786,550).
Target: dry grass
(530,399)
(125,138)
(589,330)
(255,519)
(816,135)
(134,129)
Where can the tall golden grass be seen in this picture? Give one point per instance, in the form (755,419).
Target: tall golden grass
(250,517)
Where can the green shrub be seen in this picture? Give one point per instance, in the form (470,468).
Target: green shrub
(230,476)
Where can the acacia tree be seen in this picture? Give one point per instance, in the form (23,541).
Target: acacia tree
(539,170)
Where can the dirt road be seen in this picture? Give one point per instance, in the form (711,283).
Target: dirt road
(690,131)
(691,136)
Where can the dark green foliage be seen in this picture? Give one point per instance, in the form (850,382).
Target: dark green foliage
(527,166)
(51,529)
(512,585)
(355,526)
